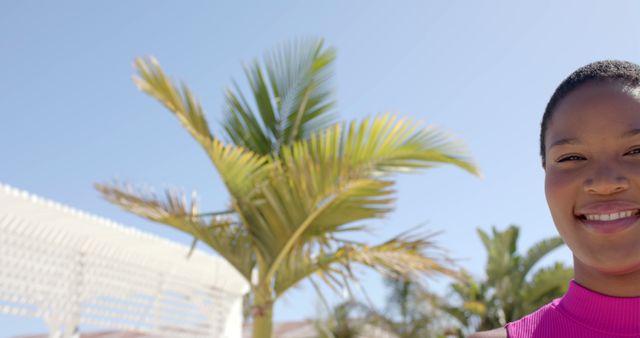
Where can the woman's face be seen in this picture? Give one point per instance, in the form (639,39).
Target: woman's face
(592,180)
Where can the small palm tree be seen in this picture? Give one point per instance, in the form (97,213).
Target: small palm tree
(296,179)
(411,311)
(512,288)
(346,320)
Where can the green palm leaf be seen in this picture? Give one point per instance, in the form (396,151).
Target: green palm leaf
(235,165)
(327,181)
(174,210)
(402,256)
(538,251)
(153,81)
(291,100)
(299,74)
(221,232)
(382,145)
(546,284)
(501,249)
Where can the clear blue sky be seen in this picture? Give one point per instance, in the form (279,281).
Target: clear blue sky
(480,69)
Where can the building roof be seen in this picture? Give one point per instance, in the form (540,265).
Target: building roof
(71,268)
(67,225)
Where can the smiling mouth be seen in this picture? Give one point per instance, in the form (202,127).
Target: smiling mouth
(611,216)
(608,223)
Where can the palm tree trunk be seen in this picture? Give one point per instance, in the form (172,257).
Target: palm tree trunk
(263,315)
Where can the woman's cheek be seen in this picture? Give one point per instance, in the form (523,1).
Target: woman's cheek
(632,169)
(560,184)
(560,190)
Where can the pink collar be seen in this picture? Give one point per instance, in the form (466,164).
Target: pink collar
(601,312)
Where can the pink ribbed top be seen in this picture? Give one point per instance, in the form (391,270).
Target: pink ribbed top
(581,313)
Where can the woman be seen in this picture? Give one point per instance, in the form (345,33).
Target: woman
(590,148)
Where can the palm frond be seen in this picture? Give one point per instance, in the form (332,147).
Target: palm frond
(398,145)
(299,74)
(330,180)
(220,232)
(302,263)
(242,126)
(233,242)
(383,145)
(241,170)
(152,80)
(502,260)
(291,98)
(484,237)
(547,283)
(236,165)
(402,256)
(538,251)
(174,210)
(286,212)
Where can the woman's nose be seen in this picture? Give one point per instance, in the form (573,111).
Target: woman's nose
(606,180)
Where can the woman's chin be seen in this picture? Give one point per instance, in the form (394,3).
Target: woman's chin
(613,264)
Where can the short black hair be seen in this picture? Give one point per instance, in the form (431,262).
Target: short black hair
(623,72)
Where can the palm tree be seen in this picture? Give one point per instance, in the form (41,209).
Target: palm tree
(296,179)
(346,320)
(412,311)
(513,288)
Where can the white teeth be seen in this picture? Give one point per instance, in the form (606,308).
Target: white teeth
(609,217)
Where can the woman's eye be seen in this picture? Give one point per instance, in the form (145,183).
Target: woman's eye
(634,151)
(571,158)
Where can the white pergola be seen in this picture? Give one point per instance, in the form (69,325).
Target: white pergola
(71,268)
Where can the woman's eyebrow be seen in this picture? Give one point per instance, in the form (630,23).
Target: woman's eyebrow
(573,141)
(568,141)
(630,133)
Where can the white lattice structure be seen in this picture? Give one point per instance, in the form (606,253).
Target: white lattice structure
(71,268)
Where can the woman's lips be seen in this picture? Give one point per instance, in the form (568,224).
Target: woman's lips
(610,226)
(607,217)
(606,207)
